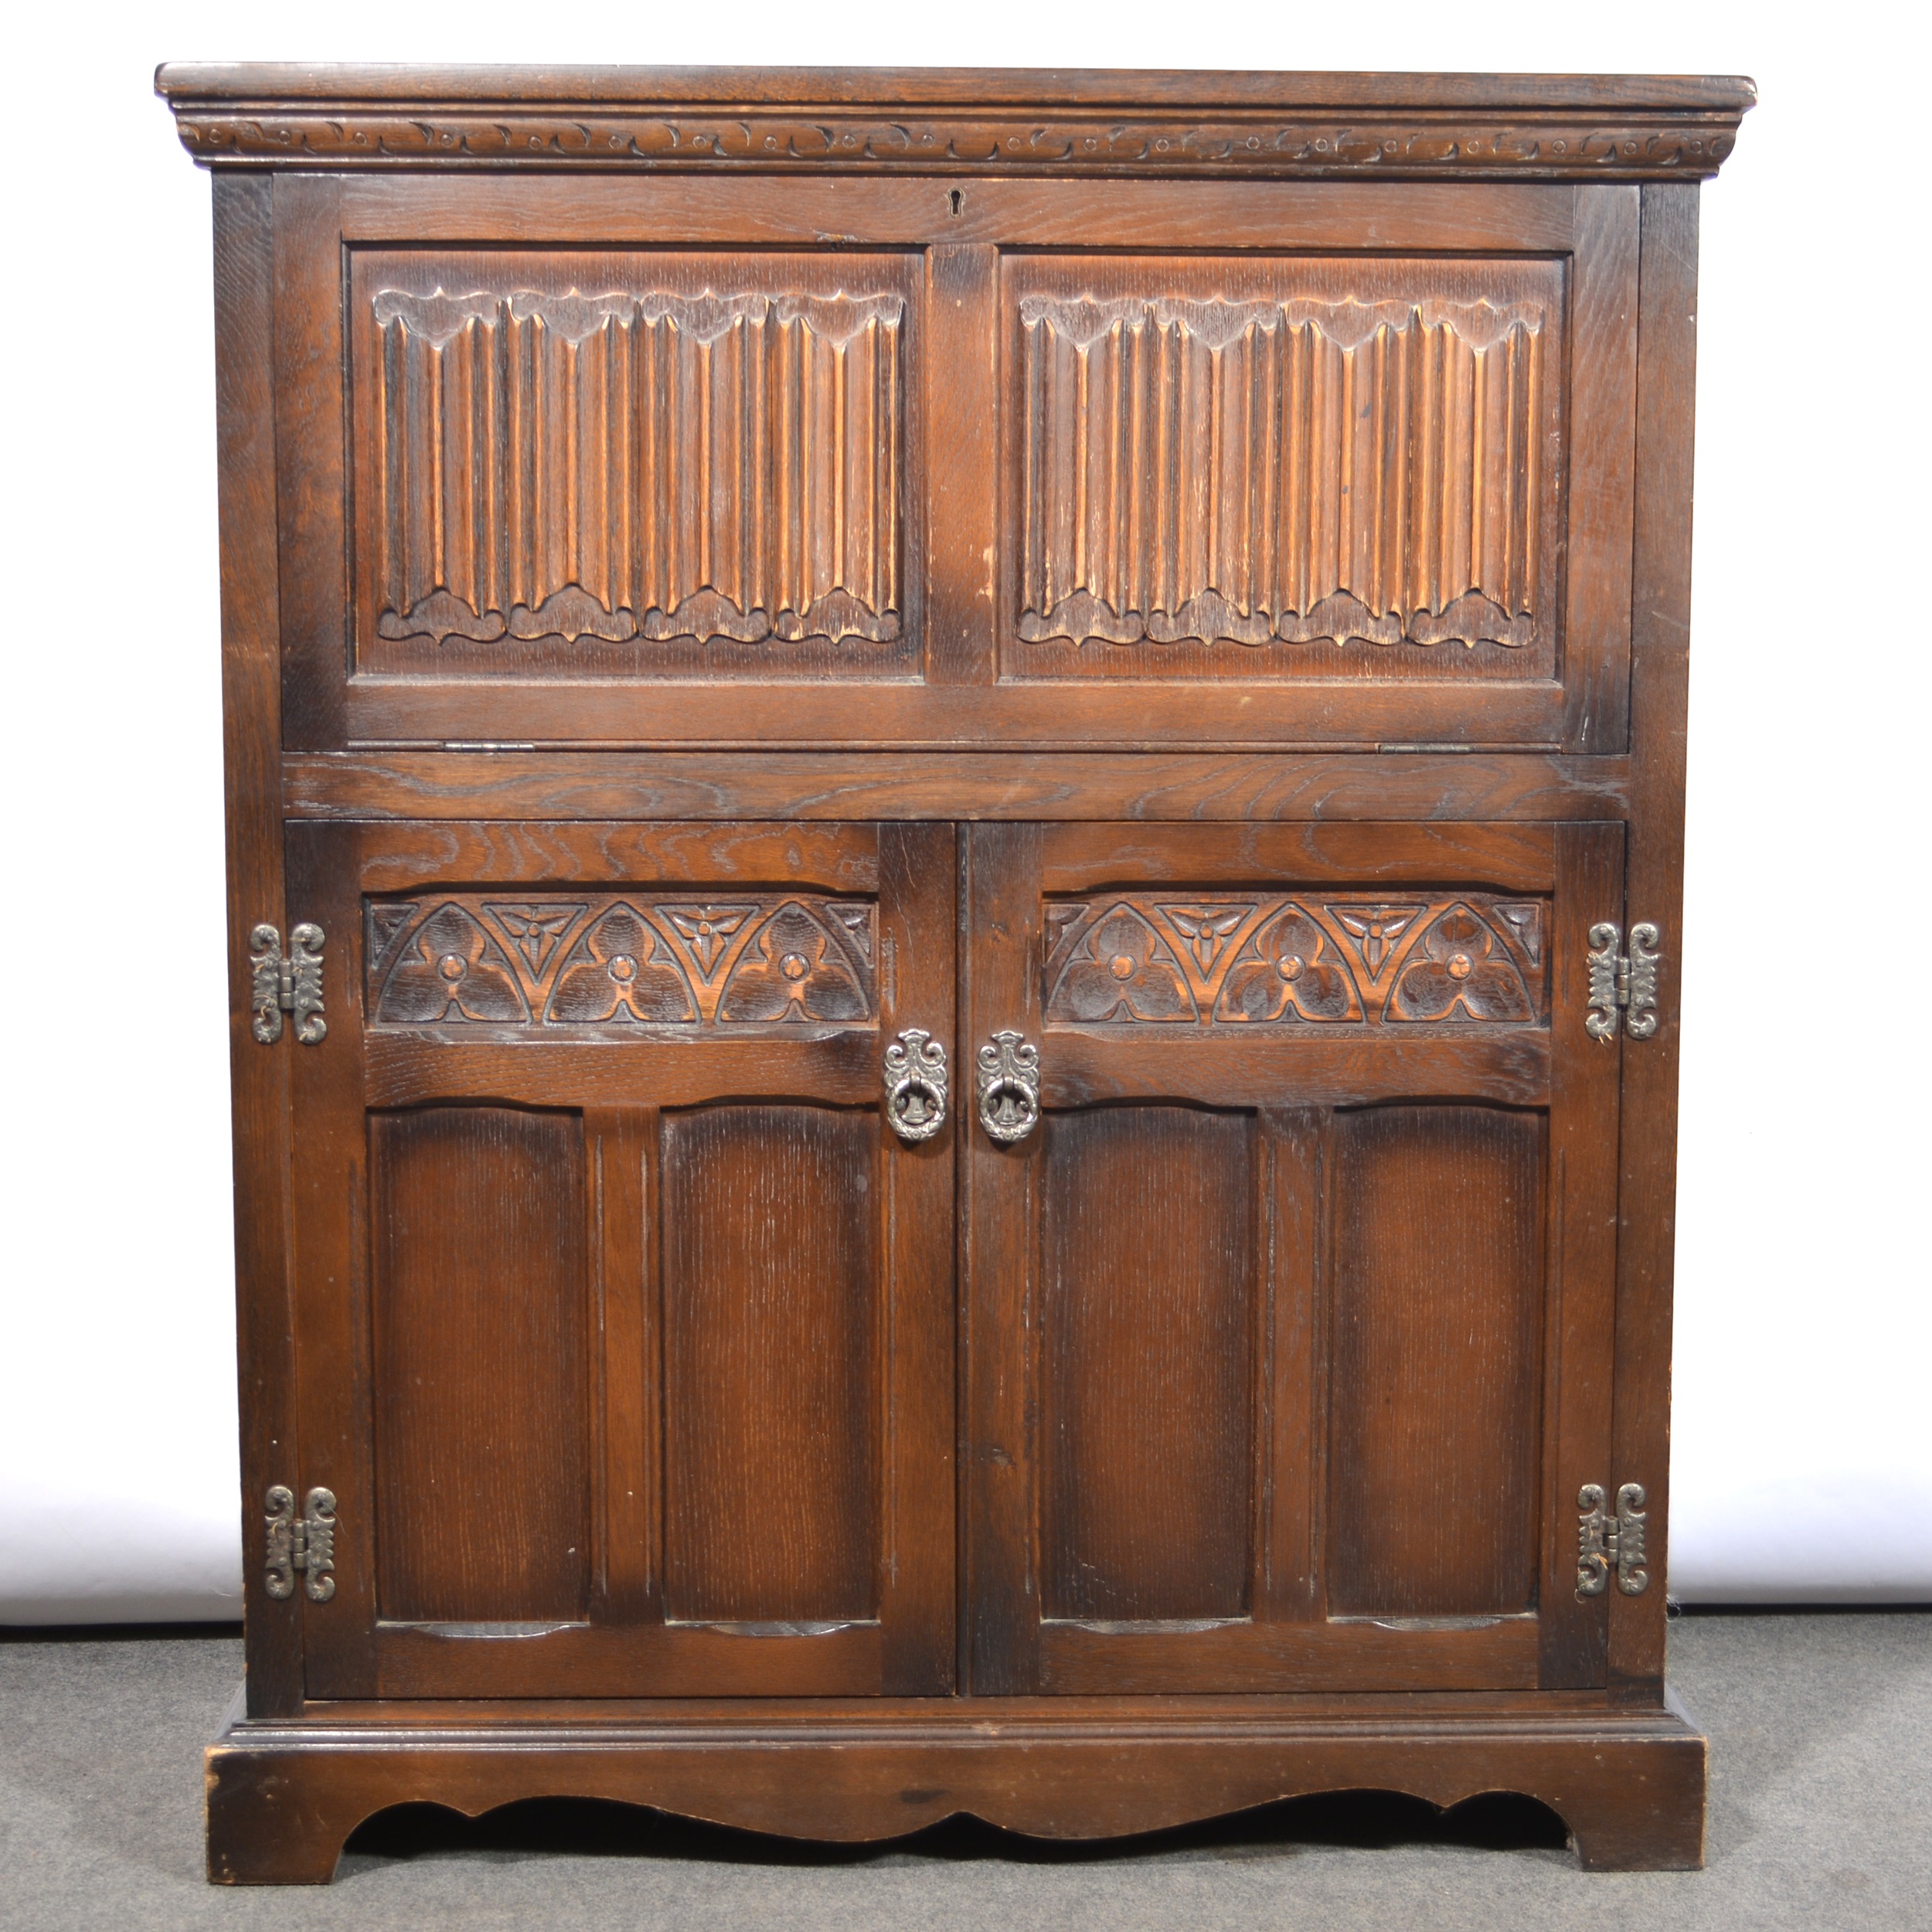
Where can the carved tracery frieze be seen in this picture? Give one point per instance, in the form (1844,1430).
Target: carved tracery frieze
(1264,959)
(607,961)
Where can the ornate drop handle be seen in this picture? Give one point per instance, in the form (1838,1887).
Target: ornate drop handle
(1008,1082)
(916,1085)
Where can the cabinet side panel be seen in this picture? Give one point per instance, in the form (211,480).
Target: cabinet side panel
(1148,1344)
(1438,1217)
(771,1393)
(251,732)
(1659,693)
(482,1450)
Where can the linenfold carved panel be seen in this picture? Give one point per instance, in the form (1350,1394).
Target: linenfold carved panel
(611,961)
(622,463)
(1349,460)
(1267,958)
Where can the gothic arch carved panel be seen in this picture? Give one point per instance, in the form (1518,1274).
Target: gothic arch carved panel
(609,961)
(1268,959)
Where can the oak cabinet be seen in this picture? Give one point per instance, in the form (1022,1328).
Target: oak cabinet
(954,830)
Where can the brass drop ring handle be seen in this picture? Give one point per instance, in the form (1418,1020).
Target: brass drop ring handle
(1007,1078)
(916,1085)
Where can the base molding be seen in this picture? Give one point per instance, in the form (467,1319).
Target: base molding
(285,1795)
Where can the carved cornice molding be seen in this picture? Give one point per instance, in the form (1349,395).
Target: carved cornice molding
(1686,136)
(1254,147)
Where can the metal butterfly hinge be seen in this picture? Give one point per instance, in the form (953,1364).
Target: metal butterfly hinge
(1623,986)
(307,1543)
(290,985)
(1605,1541)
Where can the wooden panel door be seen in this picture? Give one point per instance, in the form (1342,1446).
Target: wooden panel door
(1290,1322)
(623,1315)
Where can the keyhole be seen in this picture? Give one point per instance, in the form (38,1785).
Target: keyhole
(956,200)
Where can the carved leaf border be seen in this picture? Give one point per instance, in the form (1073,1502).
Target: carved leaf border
(1548,146)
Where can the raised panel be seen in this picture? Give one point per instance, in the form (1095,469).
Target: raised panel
(770,1403)
(649,463)
(482,1428)
(1268,469)
(1438,1216)
(1147,1347)
(601,965)
(1262,958)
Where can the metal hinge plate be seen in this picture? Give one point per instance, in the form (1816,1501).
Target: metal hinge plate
(293,984)
(307,1543)
(1604,1542)
(1623,986)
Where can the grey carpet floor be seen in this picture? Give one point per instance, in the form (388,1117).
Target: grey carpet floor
(1820,1817)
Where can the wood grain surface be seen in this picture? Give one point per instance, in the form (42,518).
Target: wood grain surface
(1434,1385)
(1147,1341)
(771,1382)
(480,1371)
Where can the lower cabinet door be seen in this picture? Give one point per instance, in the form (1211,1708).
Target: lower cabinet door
(1290,1320)
(623,1312)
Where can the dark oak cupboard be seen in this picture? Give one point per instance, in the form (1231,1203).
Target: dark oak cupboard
(954,830)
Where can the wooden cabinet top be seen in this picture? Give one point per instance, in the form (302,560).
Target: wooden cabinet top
(1512,127)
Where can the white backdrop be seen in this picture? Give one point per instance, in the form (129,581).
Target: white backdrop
(1803,1464)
